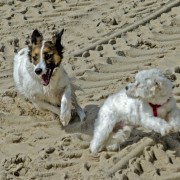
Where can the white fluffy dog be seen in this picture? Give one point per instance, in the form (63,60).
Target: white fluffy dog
(40,76)
(147,102)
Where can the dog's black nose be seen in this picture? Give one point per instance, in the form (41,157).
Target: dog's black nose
(126,87)
(38,71)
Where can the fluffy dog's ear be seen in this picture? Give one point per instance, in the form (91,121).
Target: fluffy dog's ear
(36,37)
(57,41)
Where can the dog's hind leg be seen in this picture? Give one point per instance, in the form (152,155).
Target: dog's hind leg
(118,137)
(80,112)
(78,109)
(103,127)
(75,103)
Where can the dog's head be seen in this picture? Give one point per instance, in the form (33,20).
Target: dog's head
(45,55)
(150,86)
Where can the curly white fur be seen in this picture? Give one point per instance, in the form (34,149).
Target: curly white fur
(131,106)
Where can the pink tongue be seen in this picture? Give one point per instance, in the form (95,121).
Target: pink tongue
(45,78)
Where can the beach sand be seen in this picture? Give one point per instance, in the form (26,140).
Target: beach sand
(106,44)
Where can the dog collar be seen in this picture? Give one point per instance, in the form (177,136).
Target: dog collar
(154,108)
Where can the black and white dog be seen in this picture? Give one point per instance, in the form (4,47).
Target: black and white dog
(39,76)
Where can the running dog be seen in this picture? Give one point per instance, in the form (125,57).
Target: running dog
(40,77)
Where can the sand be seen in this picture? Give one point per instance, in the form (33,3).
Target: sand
(106,44)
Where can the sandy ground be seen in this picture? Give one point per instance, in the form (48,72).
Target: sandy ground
(106,42)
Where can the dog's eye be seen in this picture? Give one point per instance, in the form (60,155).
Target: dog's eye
(47,56)
(34,58)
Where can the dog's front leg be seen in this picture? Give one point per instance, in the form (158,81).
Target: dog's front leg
(174,119)
(79,110)
(46,106)
(65,111)
(157,124)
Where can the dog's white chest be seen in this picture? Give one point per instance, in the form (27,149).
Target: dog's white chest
(53,95)
(48,94)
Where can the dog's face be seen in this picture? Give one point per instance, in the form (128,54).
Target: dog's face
(45,55)
(151,86)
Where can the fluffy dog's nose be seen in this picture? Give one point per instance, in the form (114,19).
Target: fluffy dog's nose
(38,71)
(126,87)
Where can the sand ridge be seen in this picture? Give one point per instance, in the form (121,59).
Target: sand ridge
(114,43)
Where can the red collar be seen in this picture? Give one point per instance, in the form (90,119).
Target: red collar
(154,108)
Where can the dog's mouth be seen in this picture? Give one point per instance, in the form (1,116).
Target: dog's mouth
(45,78)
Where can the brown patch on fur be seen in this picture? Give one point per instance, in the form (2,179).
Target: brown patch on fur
(57,59)
(52,53)
(51,50)
(34,54)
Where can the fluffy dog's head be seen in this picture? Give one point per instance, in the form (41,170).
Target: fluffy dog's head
(150,86)
(45,55)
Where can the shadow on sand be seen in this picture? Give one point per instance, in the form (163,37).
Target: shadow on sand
(87,126)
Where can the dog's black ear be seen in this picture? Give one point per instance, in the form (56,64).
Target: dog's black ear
(57,41)
(36,37)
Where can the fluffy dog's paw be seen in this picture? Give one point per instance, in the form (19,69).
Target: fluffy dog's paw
(175,123)
(65,117)
(167,130)
(113,147)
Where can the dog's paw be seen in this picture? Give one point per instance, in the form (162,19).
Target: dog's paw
(167,130)
(93,148)
(175,122)
(113,147)
(65,117)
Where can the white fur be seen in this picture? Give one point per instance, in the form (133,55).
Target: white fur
(59,92)
(131,107)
